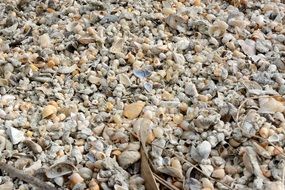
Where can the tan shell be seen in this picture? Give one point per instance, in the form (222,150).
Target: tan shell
(60,169)
(48,111)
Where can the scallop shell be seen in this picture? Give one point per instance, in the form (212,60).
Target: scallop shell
(48,111)
(60,169)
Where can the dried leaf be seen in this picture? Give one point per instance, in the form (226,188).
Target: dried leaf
(147,174)
(165,183)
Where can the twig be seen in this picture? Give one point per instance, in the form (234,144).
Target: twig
(13,172)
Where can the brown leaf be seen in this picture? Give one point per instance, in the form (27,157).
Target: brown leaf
(147,174)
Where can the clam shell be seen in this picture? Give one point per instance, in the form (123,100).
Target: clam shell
(48,111)
(60,169)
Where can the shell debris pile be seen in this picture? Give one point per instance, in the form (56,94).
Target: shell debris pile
(202,78)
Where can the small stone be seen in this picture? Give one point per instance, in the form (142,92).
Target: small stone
(132,111)
(218,173)
(44,41)
(15,135)
(86,173)
(127,158)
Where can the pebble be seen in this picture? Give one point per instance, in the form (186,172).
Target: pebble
(16,136)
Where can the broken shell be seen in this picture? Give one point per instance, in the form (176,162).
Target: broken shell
(264,132)
(133,110)
(2,143)
(36,148)
(93,185)
(48,111)
(60,169)
(218,173)
(117,46)
(127,158)
(176,22)
(172,171)
(66,69)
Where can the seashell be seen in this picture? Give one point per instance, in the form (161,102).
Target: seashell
(117,46)
(4,82)
(172,171)
(44,41)
(36,148)
(93,185)
(271,105)
(157,49)
(75,178)
(66,69)
(273,185)
(125,80)
(60,169)
(16,136)
(206,183)
(22,162)
(59,181)
(142,73)
(178,118)
(158,132)
(48,111)
(218,28)
(191,90)
(197,3)
(2,143)
(274,138)
(207,169)
(178,58)
(7,186)
(182,44)
(86,40)
(148,86)
(86,173)
(263,46)
(204,149)
(133,110)
(176,22)
(191,183)
(128,158)
(219,173)
(277,150)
